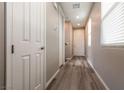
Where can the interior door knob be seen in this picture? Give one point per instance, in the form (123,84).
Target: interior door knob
(66,44)
(42,48)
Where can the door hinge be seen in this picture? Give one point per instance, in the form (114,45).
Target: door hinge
(12,49)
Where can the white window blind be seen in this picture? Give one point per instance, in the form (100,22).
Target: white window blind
(113,26)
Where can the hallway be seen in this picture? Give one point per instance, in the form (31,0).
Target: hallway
(76,75)
(61,45)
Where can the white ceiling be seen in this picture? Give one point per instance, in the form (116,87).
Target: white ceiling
(82,12)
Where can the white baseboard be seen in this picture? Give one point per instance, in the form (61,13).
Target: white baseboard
(50,80)
(69,58)
(107,88)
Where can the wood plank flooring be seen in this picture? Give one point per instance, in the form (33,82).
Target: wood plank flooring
(76,75)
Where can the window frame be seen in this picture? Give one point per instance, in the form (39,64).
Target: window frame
(111,45)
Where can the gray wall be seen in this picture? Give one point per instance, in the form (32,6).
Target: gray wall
(2,45)
(52,41)
(108,61)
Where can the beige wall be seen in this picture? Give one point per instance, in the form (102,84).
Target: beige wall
(108,61)
(2,63)
(88,49)
(52,41)
(68,39)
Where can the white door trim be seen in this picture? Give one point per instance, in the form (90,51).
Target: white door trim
(44,77)
(61,38)
(8,46)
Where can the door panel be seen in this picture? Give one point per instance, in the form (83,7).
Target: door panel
(27,22)
(37,64)
(20,47)
(27,38)
(25,66)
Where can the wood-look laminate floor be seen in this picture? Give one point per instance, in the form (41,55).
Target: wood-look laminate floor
(76,75)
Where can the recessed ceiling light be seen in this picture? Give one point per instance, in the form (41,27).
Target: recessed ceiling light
(77,17)
(78,24)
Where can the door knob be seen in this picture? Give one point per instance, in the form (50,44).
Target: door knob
(42,48)
(66,44)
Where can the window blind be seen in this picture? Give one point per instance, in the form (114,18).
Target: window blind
(113,26)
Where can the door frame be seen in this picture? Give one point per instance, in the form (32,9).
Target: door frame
(44,77)
(61,38)
(9,42)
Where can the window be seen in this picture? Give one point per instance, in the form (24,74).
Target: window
(113,24)
(89,33)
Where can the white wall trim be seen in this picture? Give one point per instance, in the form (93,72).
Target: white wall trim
(105,85)
(50,80)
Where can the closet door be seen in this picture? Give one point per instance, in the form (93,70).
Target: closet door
(26,20)
(78,42)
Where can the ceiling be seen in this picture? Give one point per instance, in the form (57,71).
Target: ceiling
(77,12)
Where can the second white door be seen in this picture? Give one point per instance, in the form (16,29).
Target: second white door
(78,42)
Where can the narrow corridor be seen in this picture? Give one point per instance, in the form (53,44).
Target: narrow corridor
(61,45)
(76,74)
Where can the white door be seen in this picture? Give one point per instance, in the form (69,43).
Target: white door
(27,37)
(78,43)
